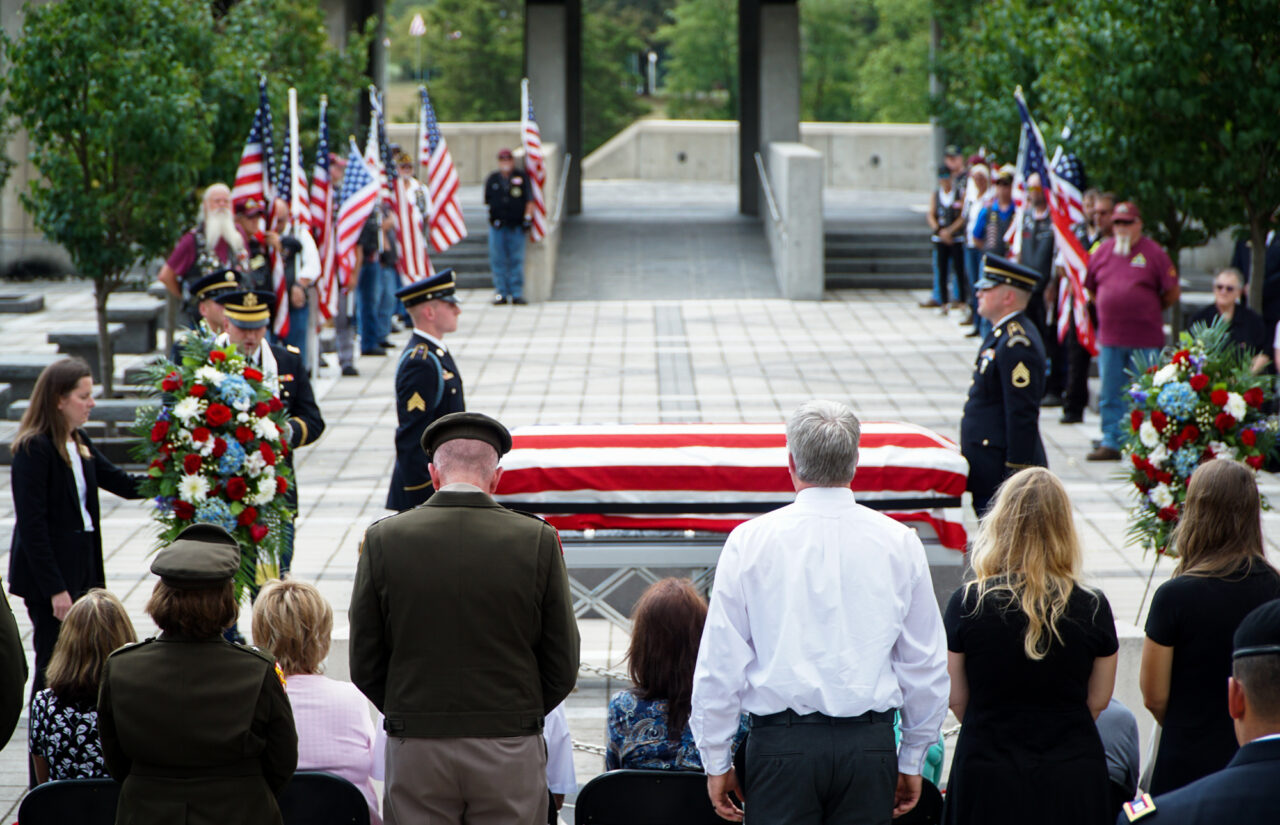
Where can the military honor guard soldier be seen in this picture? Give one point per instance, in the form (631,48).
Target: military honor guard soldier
(204,293)
(428,385)
(1000,428)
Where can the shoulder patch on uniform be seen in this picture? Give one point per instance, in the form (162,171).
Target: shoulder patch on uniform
(293,349)
(415,402)
(1021,376)
(1139,807)
(1014,328)
(284,683)
(1018,339)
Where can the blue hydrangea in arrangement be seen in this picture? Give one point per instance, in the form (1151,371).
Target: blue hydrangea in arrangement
(1185,460)
(1177,399)
(231,459)
(216,511)
(236,392)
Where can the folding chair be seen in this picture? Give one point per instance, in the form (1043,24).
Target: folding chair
(642,797)
(317,798)
(68,801)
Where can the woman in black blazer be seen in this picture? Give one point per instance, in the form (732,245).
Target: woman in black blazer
(56,554)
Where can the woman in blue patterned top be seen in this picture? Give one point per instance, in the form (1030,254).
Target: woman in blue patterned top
(649,724)
(64,716)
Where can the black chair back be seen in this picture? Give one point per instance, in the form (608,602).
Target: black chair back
(317,798)
(80,801)
(638,797)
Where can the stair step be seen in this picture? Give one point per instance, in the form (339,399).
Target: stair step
(892,266)
(877,281)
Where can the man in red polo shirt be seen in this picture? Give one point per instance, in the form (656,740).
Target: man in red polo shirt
(1132,281)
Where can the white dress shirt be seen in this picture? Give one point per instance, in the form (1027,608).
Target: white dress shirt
(826,606)
(77,469)
(560,774)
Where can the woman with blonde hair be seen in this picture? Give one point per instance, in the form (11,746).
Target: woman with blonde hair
(56,553)
(1032,658)
(64,716)
(1222,574)
(335,733)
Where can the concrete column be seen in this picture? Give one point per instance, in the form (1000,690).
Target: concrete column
(553,64)
(779,72)
(748,105)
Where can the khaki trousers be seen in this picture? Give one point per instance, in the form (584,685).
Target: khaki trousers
(476,781)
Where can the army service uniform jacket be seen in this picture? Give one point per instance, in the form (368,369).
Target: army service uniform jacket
(1242,793)
(427,386)
(197,730)
(1000,429)
(462,622)
(300,405)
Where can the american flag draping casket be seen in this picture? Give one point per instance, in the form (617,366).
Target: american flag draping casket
(712,477)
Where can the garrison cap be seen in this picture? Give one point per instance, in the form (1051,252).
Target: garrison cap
(997,271)
(214,283)
(439,287)
(1259,633)
(203,555)
(466,425)
(247,309)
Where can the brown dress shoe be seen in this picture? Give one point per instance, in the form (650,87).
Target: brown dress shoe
(929,304)
(1103,453)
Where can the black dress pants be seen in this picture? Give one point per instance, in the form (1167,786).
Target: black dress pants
(1076,395)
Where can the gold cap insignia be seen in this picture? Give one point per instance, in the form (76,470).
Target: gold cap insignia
(1021,376)
(231,276)
(251,300)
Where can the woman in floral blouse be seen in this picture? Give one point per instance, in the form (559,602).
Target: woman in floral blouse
(649,724)
(64,716)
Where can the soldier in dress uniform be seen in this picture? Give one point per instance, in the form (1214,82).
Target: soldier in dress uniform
(1000,428)
(428,385)
(248,313)
(205,292)
(197,729)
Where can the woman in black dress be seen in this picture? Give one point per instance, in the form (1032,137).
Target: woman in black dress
(56,553)
(1032,658)
(1221,575)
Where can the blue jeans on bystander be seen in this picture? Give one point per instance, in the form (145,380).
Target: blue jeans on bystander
(369,300)
(1113,366)
(506,259)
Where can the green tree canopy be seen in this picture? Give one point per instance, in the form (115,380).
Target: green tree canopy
(702,64)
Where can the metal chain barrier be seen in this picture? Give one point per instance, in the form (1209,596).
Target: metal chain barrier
(602,671)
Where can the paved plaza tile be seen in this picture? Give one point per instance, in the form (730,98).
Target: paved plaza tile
(605,361)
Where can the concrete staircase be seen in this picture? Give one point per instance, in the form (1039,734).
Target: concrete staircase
(469,258)
(872,257)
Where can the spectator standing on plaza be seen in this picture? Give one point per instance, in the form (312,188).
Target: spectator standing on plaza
(1244,792)
(822,622)
(993,224)
(946,221)
(301,263)
(1037,254)
(1033,663)
(1222,574)
(257,268)
(1095,229)
(372,285)
(213,243)
(1242,260)
(194,728)
(506,193)
(344,316)
(1000,427)
(978,194)
(1132,282)
(648,724)
(463,635)
(1245,326)
(293,622)
(56,553)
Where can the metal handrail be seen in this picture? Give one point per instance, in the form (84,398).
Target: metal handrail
(564,180)
(768,197)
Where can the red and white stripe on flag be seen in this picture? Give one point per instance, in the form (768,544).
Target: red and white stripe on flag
(412,263)
(692,464)
(280,323)
(445,225)
(359,196)
(534,164)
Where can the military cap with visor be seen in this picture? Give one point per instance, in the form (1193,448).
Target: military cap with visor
(997,271)
(473,425)
(215,283)
(247,309)
(203,555)
(1259,632)
(439,287)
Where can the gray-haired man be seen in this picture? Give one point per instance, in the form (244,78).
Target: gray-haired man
(822,622)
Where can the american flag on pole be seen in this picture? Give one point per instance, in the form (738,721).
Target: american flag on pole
(291,181)
(534,162)
(322,219)
(417,27)
(411,263)
(1013,235)
(356,201)
(1075,260)
(444,216)
(255,177)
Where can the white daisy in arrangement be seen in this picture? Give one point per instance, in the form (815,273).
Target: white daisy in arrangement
(188,410)
(193,488)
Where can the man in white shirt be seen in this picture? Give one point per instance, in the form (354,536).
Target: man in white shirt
(822,622)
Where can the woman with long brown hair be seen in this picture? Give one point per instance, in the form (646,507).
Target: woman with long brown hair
(649,724)
(1222,574)
(1032,658)
(56,553)
(64,716)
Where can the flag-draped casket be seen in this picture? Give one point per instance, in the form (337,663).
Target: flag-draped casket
(712,477)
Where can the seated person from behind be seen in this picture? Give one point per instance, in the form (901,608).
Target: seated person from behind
(64,716)
(1245,326)
(649,724)
(335,733)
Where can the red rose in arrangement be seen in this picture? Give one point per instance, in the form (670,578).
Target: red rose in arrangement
(1181,356)
(1164,477)
(165,449)
(171,382)
(1224,422)
(261,409)
(1159,419)
(282,486)
(158,431)
(1248,438)
(247,516)
(200,435)
(217,415)
(1254,461)
(1254,397)
(268,454)
(252,374)
(198,390)
(237,488)
(257,532)
(1199,381)
(244,435)
(183,510)
(191,464)
(217,356)
(1218,397)
(1135,420)
(1175,443)
(1190,433)
(219,447)
(275,405)
(1168,514)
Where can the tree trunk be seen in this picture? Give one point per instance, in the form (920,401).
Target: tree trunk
(1257,259)
(106,355)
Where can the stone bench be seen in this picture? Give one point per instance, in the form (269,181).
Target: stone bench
(141,316)
(106,410)
(82,342)
(20,370)
(21,303)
